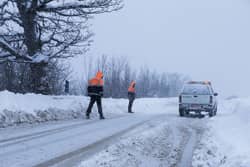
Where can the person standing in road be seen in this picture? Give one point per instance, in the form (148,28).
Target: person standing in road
(95,91)
(131,96)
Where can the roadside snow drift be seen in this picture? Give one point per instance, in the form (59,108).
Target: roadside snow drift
(30,108)
(226,143)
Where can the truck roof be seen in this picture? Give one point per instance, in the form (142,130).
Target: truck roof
(200,82)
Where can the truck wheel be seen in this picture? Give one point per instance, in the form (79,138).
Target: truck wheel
(215,111)
(211,113)
(181,112)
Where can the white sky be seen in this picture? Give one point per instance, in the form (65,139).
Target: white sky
(205,39)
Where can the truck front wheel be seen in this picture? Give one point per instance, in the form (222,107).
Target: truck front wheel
(215,111)
(211,113)
(181,112)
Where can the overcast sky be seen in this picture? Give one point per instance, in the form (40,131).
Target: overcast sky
(205,39)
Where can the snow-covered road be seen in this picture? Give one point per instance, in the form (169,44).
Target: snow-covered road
(29,147)
(154,136)
(166,141)
(67,143)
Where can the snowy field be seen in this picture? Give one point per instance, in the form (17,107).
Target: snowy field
(152,137)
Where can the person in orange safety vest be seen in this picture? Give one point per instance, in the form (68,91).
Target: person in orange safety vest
(131,96)
(95,91)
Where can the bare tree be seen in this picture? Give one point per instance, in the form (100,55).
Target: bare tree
(143,80)
(127,77)
(38,31)
(176,82)
(7,76)
(102,64)
(154,84)
(57,75)
(88,71)
(164,86)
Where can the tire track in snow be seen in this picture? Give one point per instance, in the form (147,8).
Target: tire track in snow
(195,130)
(19,139)
(187,153)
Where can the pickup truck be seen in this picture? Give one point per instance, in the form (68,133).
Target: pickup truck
(197,97)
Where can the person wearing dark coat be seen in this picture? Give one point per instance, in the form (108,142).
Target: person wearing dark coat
(131,96)
(95,91)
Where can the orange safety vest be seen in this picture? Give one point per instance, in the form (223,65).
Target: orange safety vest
(131,88)
(97,80)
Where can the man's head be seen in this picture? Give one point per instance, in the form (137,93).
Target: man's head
(99,75)
(133,84)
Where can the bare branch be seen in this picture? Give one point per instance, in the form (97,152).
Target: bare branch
(12,51)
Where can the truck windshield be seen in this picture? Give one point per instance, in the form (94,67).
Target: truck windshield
(198,89)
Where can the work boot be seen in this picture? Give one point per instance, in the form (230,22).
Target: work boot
(102,117)
(87,117)
(130,112)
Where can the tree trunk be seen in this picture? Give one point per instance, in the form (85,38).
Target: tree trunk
(39,78)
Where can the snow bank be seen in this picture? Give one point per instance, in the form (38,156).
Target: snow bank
(227,141)
(30,108)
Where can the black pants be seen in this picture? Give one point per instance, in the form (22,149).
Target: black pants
(131,98)
(130,104)
(98,101)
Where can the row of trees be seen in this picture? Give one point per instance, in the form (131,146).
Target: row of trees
(118,74)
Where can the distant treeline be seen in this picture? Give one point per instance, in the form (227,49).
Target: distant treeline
(118,74)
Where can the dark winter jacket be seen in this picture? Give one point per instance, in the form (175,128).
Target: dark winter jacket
(95,90)
(131,95)
(95,87)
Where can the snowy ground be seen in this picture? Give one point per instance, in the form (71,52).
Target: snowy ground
(155,136)
(226,142)
(157,144)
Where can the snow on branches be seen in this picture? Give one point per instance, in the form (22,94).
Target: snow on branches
(48,28)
